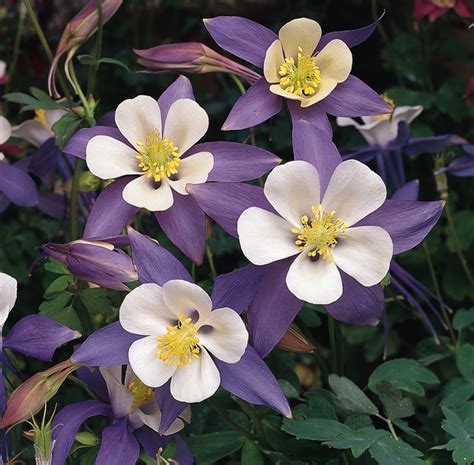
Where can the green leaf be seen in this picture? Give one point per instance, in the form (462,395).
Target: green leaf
(465,361)
(66,316)
(464,226)
(463,318)
(57,303)
(96,301)
(209,448)
(288,389)
(56,267)
(39,100)
(403,374)
(350,397)
(395,405)
(251,454)
(387,451)
(462,444)
(58,285)
(90,60)
(65,128)
(457,392)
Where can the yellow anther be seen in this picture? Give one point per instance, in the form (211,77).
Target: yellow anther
(158,157)
(318,234)
(385,116)
(179,346)
(40,116)
(302,78)
(141,393)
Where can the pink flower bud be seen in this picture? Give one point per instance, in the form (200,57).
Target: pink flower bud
(294,341)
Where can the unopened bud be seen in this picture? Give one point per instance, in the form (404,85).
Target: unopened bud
(88,182)
(295,341)
(42,437)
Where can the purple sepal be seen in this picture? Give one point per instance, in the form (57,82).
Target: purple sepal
(106,347)
(108,119)
(154,264)
(237,288)
(170,407)
(45,159)
(185,225)
(17,186)
(118,445)
(314,114)
(363,153)
(78,143)
(3,394)
(407,222)
(94,379)
(110,212)
(179,89)
(234,162)
(67,422)
(53,205)
(273,308)
(251,380)
(254,107)
(242,37)
(462,167)
(4,202)
(38,336)
(313,145)
(358,304)
(351,37)
(354,98)
(433,144)
(408,191)
(225,202)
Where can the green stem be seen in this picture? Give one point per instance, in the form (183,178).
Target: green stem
(226,417)
(83,385)
(98,48)
(16,50)
(392,429)
(75,199)
(457,243)
(89,114)
(322,366)
(238,83)
(210,259)
(255,419)
(332,343)
(46,47)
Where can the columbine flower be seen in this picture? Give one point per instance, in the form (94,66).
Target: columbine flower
(388,138)
(311,71)
(135,418)
(433,9)
(319,230)
(152,152)
(181,330)
(175,325)
(358,237)
(462,166)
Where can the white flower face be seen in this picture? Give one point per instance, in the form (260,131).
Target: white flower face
(180,334)
(8,292)
(320,233)
(382,129)
(296,72)
(156,152)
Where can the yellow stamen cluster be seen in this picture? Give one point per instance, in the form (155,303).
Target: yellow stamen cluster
(318,234)
(158,156)
(444,3)
(180,343)
(40,116)
(385,116)
(141,393)
(300,78)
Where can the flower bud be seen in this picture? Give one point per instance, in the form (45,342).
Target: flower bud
(77,31)
(42,437)
(88,182)
(191,57)
(96,261)
(30,397)
(294,341)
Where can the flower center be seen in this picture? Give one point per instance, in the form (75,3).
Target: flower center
(318,234)
(444,3)
(300,78)
(158,156)
(141,393)
(180,343)
(385,116)
(40,116)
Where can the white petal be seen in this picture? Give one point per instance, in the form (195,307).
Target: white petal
(108,158)
(316,282)
(175,427)
(335,63)
(142,193)
(53,116)
(344,121)
(278,90)
(197,381)
(193,170)
(292,189)
(8,290)
(379,132)
(224,334)
(186,122)
(150,415)
(32,131)
(144,311)
(121,398)
(300,32)
(406,113)
(138,116)
(5,130)
(273,60)
(147,365)
(186,298)
(364,253)
(354,191)
(265,237)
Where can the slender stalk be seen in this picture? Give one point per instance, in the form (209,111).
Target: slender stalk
(83,385)
(16,50)
(392,430)
(77,87)
(332,343)
(238,83)
(75,199)
(322,366)
(226,417)
(98,48)
(210,259)
(457,244)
